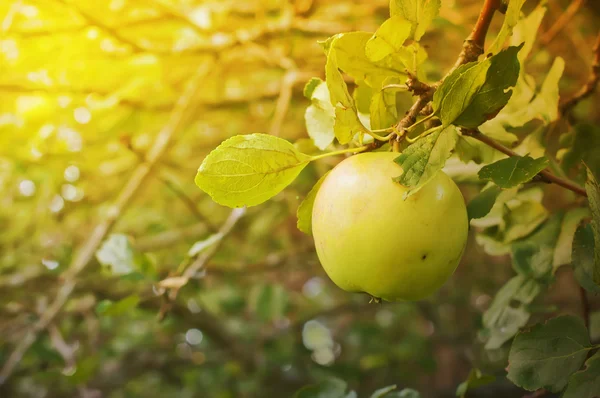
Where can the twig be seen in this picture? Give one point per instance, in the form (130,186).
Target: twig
(544,175)
(589,87)
(283,102)
(87,250)
(561,22)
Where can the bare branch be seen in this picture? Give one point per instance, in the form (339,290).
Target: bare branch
(89,247)
(561,22)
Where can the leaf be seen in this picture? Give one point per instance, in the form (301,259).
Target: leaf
(351,58)
(522,219)
(585,146)
(525,31)
(476,91)
(362,95)
(501,75)
(419,12)
(347,123)
(408,393)
(583,258)
(109,308)
(304,212)
(310,87)
(204,244)
(533,256)
(512,171)
(593,190)
(481,205)
(246,170)
(423,159)
(476,379)
(320,117)
(388,39)
(547,354)
(332,388)
(586,382)
(383,109)
(382,392)
(269,301)
(508,313)
(511,18)
(564,244)
(118,254)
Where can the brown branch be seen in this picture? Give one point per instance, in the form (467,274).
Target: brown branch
(86,252)
(561,22)
(589,87)
(543,176)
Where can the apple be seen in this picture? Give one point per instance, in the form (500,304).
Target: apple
(370,239)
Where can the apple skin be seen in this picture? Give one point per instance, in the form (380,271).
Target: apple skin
(370,240)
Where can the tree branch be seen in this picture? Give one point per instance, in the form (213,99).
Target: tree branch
(589,87)
(87,250)
(543,176)
(561,22)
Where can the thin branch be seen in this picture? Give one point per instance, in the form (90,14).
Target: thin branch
(89,247)
(283,102)
(543,176)
(589,87)
(561,22)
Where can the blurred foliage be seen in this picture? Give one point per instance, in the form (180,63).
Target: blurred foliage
(86,87)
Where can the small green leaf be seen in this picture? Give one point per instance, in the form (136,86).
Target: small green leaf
(332,388)
(522,219)
(585,146)
(362,95)
(593,190)
(586,382)
(512,171)
(419,12)
(269,302)
(508,311)
(247,170)
(109,308)
(304,212)
(320,117)
(476,379)
(476,91)
(501,76)
(511,19)
(383,109)
(423,159)
(347,123)
(408,393)
(564,244)
(310,87)
(481,205)
(547,354)
(382,392)
(388,39)
(583,258)
(525,31)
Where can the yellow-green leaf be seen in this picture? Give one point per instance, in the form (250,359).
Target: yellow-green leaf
(388,39)
(419,12)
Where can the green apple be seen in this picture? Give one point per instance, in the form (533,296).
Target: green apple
(370,239)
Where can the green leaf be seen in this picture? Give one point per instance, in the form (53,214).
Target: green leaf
(362,95)
(476,379)
(511,18)
(382,392)
(583,258)
(508,311)
(350,51)
(332,388)
(512,171)
(246,170)
(481,205)
(501,75)
(547,354)
(388,39)
(585,146)
(320,116)
(118,254)
(526,30)
(423,159)
(419,12)
(476,91)
(310,87)
(522,219)
(347,123)
(269,301)
(383,109)
(109,308)
(564,244)
(408,393)
(533,256)
(593,190)
(304,212)
(586,382)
